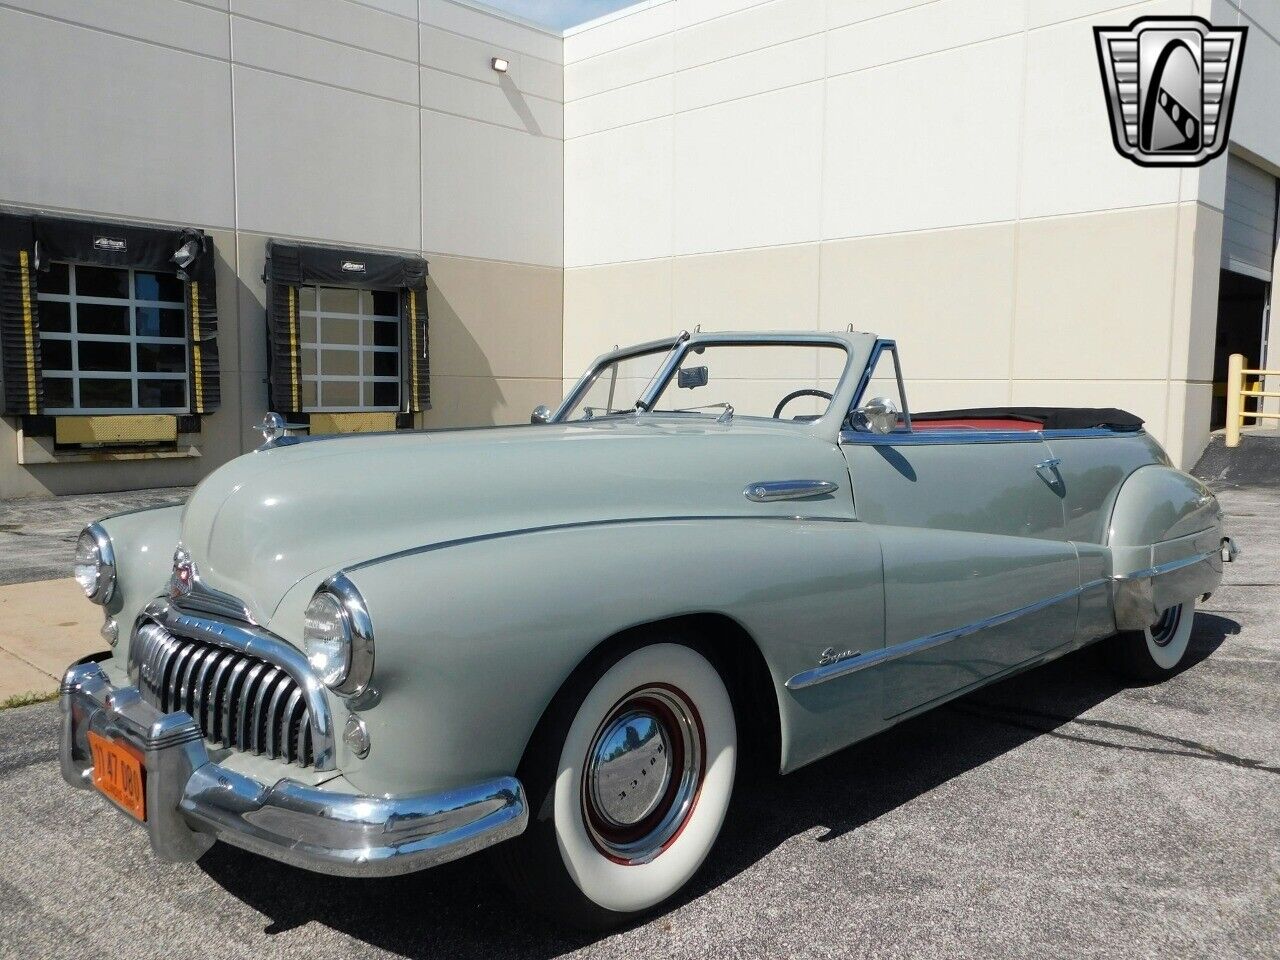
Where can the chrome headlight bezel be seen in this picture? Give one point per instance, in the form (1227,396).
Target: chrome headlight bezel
(356,628)
(103,559)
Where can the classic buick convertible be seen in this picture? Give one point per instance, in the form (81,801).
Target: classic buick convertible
(366,655)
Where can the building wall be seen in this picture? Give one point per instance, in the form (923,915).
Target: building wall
(938,172)
(375,124)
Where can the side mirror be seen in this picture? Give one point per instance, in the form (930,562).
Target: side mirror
(541,414)
(880,415)
(691,377)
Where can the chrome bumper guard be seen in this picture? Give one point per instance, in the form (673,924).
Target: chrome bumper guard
(191,801)
(1141,596)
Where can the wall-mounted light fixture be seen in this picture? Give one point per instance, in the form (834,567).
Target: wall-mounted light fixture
(500,65)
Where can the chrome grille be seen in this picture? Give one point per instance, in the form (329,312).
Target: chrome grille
(237,700)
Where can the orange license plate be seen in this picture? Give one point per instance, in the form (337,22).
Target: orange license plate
(117,772)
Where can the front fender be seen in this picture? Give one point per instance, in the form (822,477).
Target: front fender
(143,542)
(474,640)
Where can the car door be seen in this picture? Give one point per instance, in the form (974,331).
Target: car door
(978,574)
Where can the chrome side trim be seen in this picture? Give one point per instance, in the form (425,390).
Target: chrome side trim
(579,525)
(1164,568)
(255,642)
(767,491)
(191,801)
(936,437)
(872,658)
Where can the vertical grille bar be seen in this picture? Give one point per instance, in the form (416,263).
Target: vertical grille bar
(238,700)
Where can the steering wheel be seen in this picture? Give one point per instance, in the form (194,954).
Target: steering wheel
(795,394)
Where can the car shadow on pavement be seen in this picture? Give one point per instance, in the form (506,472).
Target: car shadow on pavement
(461,910)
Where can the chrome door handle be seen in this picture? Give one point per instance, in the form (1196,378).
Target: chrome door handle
(1049,466)
(766,491)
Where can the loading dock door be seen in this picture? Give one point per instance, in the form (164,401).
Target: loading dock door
(1245,287)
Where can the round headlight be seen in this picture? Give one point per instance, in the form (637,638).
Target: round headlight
(95,567)
(327,638)
(337,637)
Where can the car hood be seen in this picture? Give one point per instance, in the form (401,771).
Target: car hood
(267,520)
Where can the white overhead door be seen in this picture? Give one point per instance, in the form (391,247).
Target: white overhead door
(1249,231)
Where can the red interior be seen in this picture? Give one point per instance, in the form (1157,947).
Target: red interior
(976,425)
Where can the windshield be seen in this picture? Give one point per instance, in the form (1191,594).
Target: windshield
(787,381)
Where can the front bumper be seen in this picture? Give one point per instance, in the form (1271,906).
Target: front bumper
(192,801)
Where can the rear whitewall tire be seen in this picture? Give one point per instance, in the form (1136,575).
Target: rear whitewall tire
(633,886)
(1154,653)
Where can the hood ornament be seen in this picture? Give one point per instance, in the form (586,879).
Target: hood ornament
(272,428)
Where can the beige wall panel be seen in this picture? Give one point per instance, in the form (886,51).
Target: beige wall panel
(251,302)
(220,435)
(323,61)
(772,68)
(494,319)
(500,103)
(925,395)
(750,29)
(483,401)
(748,173)
(1195,304)
(1146,398)
(401,8)
(1095,295)
(1188,430)
(1069,162)
(1042,13)
(690,12)
(632,26)
(616,68)
(1265,13)
(888,169)
(634,103)
(470,22)
(72,98)
(491,192)
(340,20)
(361,182)
(195,28)
(770,289)
(620,207)
(620,304)
(922,30)
(946,296)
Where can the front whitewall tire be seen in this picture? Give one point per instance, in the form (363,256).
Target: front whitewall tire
(609,881)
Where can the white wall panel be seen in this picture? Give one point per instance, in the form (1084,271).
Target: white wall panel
(195,28)
(842,12)
(922,30)
(472,58)
(619,206)
(689,12)
(490,192)
(633,103)
(772,68)
(1256,125)
(632,27)
(334,165)
(948,160)
(339,20)
(1070,164)
(617,68)
(502,104)
(324,61)
(748,172)
(75,102)
(482,25)
(753,28)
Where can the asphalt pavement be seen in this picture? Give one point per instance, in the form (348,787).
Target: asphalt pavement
(1059,813)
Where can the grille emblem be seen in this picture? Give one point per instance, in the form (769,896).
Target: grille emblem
(1171,85)
(184,574)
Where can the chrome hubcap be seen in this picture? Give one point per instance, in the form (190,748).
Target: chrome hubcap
(642,774)
(1162,630)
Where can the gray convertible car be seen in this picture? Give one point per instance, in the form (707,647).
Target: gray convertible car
(565,641)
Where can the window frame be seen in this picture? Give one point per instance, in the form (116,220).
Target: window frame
(132,339)
(318,347)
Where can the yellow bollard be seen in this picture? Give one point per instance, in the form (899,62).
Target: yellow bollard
(1235,381)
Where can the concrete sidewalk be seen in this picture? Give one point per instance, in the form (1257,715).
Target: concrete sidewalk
(44,626)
